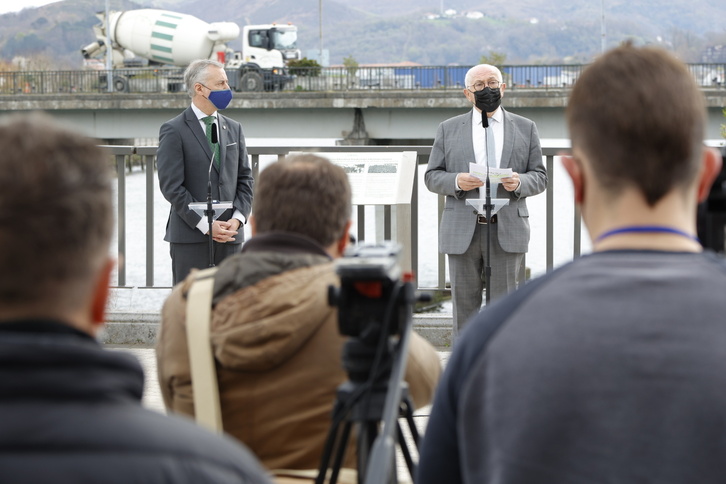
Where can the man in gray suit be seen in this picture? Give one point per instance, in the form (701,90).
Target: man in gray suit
(513,143)
(185,164)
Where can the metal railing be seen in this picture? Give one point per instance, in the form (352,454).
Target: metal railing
(169,80)
(147,157)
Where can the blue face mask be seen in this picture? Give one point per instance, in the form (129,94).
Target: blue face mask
(220,98)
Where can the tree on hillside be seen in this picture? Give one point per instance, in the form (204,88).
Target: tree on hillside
(494,58)
(351,65)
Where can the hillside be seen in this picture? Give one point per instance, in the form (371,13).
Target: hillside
(381,31)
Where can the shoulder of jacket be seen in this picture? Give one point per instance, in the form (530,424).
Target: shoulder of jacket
(516,118)
(228,121)
(456,121)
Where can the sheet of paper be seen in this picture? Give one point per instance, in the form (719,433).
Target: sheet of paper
(495,174)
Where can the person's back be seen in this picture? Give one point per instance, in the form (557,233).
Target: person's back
(607,369)
(274,334)
(277,345)
(582,381)
(70,411)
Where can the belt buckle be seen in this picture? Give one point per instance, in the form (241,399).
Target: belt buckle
(482,219)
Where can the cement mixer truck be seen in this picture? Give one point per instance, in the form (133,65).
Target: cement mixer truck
(153,38)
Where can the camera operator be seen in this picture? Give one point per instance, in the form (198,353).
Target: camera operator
(274,334)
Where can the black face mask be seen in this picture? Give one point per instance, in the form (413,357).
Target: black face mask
(488,99)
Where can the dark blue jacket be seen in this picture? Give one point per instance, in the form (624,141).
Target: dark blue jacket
(70,412)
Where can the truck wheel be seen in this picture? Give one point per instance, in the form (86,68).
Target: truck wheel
(251,81)
(120,84)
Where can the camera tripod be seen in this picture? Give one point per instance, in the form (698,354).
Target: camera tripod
(373,399)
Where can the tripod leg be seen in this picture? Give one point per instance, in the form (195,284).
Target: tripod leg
(330,444)
(408,414)
(367,432)
(338,463)
(406,453)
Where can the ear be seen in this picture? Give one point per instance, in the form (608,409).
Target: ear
(101,293)
(711,162)
(574,170)
(342,243)
(468,95)
(253,224)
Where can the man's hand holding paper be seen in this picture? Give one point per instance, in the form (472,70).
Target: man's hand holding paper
(467,181)
(496,175)
(511,183)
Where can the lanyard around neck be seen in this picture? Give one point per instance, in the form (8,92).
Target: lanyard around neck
(646,229)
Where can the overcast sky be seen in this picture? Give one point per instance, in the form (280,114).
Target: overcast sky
(17,5)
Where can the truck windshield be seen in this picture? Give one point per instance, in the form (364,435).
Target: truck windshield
(284,39)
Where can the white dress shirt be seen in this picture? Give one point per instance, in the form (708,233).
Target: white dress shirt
(203,224)
(479,136)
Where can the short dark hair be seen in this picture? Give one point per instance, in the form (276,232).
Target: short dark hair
(306,195)
(639,117)
(56,213)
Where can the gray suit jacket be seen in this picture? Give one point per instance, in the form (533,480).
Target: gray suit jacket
(183,162)
(451,154)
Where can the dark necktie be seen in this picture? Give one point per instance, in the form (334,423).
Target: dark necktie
(209,121)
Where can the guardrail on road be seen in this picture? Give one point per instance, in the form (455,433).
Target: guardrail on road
(164,80)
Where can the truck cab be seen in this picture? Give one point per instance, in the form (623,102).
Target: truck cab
(266,49)
(271,44)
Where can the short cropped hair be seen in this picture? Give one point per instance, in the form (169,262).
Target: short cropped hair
(56,213)
(639,117)
(197,72)
(303,194)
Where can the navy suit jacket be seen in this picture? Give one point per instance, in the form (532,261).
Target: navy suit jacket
(183,162)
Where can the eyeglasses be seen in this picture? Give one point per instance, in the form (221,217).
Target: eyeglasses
(480,85)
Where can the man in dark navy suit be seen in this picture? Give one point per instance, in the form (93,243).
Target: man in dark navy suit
(184,158)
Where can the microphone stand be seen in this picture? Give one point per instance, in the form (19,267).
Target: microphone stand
(488,214)
(209,212)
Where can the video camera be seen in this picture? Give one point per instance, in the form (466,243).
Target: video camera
(375,310)
(371,296)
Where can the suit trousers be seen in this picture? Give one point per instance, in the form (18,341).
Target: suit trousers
(467,275)
(185,257)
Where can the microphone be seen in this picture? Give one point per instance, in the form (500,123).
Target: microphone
(215,140)
(210,211)
(488,187)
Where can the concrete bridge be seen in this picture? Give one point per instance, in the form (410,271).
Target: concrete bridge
(361,117)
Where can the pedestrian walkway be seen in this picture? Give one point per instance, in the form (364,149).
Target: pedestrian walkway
(134,313)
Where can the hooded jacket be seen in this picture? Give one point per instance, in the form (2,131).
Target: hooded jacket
(278,350)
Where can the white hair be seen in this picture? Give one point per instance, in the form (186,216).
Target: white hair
(470,73)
